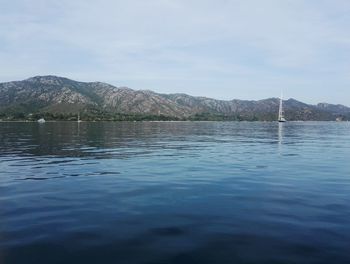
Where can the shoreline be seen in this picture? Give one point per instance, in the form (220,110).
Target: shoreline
(168,121)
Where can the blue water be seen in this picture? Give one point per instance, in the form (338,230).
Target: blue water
(175,192)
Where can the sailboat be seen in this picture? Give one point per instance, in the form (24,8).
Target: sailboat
(78,118)
(280,112)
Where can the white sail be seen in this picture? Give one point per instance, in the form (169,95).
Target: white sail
(280,111)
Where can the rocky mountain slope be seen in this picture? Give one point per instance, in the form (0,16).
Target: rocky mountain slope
(57,95)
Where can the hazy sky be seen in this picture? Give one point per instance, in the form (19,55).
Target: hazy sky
(246,49)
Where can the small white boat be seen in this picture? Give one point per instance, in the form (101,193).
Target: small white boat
(78,118)
(280,112)
(41,120)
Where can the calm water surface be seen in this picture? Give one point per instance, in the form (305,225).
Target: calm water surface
(175,192)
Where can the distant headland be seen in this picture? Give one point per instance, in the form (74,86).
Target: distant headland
(58,98)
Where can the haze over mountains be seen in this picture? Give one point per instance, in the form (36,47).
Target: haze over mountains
(57,96)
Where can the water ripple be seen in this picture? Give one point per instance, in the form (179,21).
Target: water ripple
(174,192)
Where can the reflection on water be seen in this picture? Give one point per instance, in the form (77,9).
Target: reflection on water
(280,133)
(174,192)
(280,136)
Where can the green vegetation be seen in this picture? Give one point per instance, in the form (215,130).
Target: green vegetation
(221,117)
(90,116)
(108,116)
(95,115)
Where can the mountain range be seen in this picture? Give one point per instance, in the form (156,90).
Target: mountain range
(56,97)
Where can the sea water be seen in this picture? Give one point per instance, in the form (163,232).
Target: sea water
(175,192)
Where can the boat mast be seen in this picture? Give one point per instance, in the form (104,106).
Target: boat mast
(280,111)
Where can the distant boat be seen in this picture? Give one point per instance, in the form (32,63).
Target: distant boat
(280,112)
(339,119)
(41,120)
(78,118)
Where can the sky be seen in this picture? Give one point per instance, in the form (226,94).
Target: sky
(224,49)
